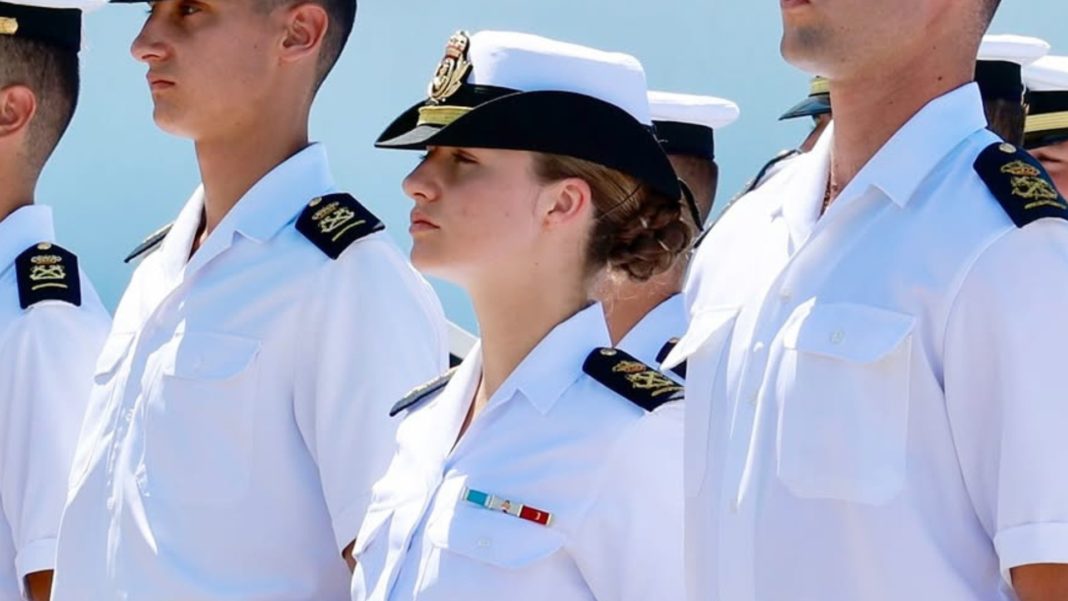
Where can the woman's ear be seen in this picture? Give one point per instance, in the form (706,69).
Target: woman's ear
(18,105)
(566,201)
(305,30)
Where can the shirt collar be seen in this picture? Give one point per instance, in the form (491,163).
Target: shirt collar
(648,336)
(25,227)
(268,206)
(904,162)
(556,362)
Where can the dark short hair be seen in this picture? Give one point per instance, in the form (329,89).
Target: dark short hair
(1007,119)
(342,17)
(52,73)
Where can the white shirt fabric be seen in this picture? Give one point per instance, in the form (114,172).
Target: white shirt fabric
(551,438)
(647,338)
(47,353)
(876,398)
(238,417)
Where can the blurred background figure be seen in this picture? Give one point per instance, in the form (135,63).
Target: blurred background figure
(1046,132)
(998,71)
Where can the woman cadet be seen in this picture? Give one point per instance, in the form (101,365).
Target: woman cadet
(547,466)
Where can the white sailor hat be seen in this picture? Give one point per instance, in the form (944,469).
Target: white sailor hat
(519,91)
(686,123)
(56,22)
(1000,61)
(1047,119)
(817,103)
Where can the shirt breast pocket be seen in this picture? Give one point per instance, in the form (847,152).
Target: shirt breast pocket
(199,427)
(477,545)
(843,399)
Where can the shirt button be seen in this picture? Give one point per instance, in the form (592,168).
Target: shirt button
(484,543)
(837,337)
(758,347)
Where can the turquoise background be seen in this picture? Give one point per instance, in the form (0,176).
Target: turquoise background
(116,178)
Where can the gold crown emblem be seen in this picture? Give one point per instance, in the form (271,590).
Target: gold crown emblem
(452,70)
(46,260)
(629,367)
(1020,169)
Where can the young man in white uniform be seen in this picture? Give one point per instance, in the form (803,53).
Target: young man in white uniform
(239,415)
(51,321)
(876,395)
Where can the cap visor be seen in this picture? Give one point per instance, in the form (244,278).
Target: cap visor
(809,107)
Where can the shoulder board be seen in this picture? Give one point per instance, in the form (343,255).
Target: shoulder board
(47,272)
(335,221)
(759,179)
(680,369)
(631,379)
(1020,183)
(150,243)
(419,393)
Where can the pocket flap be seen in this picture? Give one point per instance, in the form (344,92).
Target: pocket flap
(111,354)
(208,356)
(851,332)
(494,538)
(703,325)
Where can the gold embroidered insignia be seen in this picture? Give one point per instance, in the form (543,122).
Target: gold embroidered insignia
(452,70)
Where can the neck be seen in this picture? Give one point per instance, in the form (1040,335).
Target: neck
(628,302)
(17,191)
(231,165)
(870,109)
(514,316)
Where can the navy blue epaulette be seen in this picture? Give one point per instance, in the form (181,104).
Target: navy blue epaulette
(631,379)
(150,243)
(47,272)
(680,369)
(1020,183)
(420,393)
(333,222)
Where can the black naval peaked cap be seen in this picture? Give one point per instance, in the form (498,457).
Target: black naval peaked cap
(1047,119)
(686,123)
(516,91)
(55,22)
(999,66)
(817,103)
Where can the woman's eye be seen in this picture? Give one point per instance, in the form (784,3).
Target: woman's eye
(460,157)
(188,9)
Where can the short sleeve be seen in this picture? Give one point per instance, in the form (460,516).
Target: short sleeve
(46,366)
(376,330)
(1006,355)
(630,545)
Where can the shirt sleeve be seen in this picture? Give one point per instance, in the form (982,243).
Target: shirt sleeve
(630,545)
(1006,352)
(46,367)
(377,331)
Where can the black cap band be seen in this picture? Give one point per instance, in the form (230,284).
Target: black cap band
(1000,80)
(57,26)
(686,138)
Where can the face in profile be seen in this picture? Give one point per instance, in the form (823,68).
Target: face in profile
(840,38)
(475,210)
(1055,159)
(209,63)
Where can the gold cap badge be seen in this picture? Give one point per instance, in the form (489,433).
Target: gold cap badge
(452,69)
(9,26)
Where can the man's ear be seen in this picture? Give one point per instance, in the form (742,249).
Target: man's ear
(305,30)
(18,105)
(565,201)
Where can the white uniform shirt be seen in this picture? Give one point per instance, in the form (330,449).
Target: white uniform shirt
(551,438)
(647,338)
(47,353)
(876,399)
(238,418)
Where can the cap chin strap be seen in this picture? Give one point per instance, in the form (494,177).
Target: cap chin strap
(691,204)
